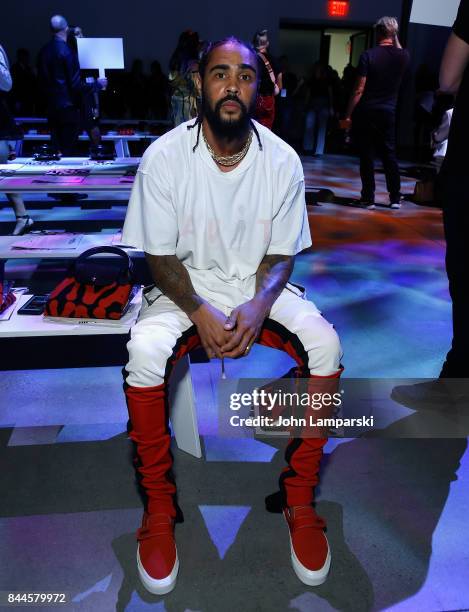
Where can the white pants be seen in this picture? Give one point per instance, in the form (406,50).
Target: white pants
(292,320)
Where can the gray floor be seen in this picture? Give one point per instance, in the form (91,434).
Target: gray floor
(396,509)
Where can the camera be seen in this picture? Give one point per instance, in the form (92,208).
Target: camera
(75,31)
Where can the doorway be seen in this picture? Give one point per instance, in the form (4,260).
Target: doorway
(305,44)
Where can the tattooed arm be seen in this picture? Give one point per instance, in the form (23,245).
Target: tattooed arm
(172,278)
(272,276)
(247,319)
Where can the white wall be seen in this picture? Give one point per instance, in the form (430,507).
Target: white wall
(339,54)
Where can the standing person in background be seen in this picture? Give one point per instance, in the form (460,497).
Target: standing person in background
(287,101)
(454,78)
(9,131)
(373,104)
(60,80)
(452,186)
(158,90)
(319,107)
(24,90)
(426,84)
(349,76)
(183,71)
(89,107)
(270,84)
(137,86)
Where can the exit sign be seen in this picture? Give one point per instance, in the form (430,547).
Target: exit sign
(338,8)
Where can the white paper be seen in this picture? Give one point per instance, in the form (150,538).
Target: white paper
(53,242)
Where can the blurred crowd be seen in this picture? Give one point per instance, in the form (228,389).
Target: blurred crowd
(130,94)
(305,108)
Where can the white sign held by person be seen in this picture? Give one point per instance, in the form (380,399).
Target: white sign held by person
(100,53)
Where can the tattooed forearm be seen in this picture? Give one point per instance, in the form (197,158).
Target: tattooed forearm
(272,276)
(172,278)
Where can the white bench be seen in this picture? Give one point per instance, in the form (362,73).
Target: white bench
(183,415)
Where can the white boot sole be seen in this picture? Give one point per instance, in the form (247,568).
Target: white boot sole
(154,586)
(306,576)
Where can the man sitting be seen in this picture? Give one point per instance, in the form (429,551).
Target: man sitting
(222,285)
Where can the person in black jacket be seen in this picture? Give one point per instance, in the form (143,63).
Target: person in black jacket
(90,88)
(60,80)
(444,394)
(454,79)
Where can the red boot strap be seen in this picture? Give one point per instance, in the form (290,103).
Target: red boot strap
(304,522)
(155,525)
(144,533)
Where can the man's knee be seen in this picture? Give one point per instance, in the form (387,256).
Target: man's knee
(326,354)
(147,361)
(330,344)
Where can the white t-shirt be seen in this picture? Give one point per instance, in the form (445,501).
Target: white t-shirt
(218,224)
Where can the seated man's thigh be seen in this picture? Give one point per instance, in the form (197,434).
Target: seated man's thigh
(318,337)
(152,342)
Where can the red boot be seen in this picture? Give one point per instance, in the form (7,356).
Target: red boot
(157,559)
(310,553)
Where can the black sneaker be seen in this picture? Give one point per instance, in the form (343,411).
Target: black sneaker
(445,394)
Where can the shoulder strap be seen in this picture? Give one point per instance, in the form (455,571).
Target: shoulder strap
(269,68)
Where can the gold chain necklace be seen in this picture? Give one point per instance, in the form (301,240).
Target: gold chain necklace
(229,160)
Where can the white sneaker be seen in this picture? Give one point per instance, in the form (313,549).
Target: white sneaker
(310,552)
(367,204)
(157,558)
(395,205)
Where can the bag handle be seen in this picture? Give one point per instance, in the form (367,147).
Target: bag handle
(112,250)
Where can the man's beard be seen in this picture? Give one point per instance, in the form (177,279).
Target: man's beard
(229,129)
